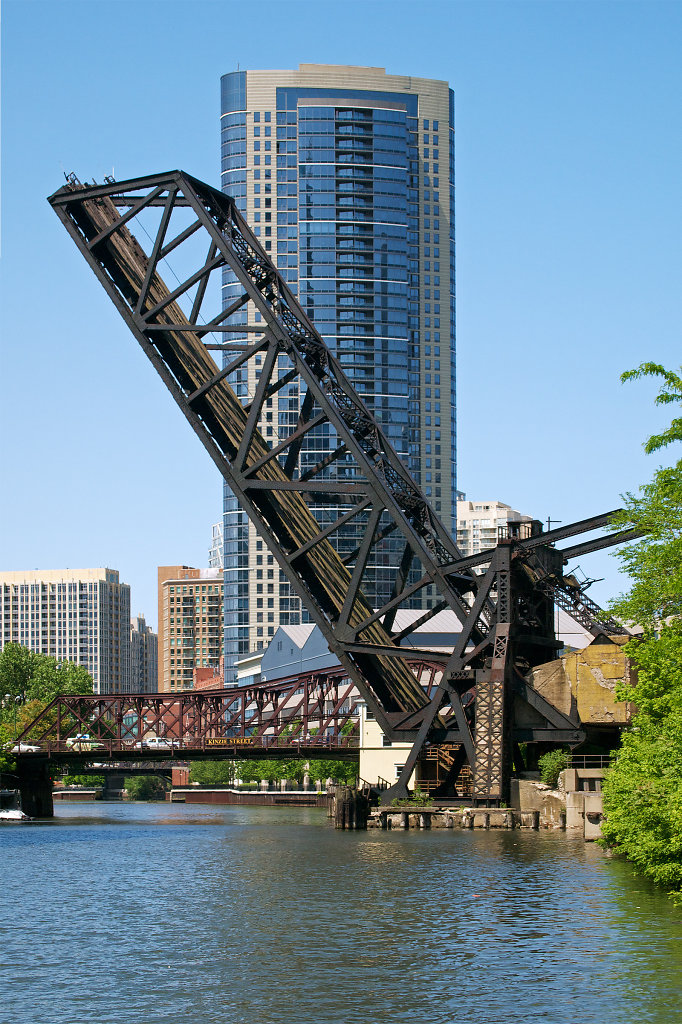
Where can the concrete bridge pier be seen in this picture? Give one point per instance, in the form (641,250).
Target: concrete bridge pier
(35,787)
(113,786)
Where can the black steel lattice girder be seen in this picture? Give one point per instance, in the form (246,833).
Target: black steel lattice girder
(177,329)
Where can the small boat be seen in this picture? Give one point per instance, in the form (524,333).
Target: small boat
(10,806)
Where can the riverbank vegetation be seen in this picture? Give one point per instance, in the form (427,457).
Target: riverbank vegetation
(28,682)
(643,791)
(145,787)
(89,781)
(225,773)
(551,766)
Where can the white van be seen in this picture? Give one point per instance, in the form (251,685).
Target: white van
(84,741)
(160,743)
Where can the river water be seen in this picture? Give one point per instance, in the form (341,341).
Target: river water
(140,913)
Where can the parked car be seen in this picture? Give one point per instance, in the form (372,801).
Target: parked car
(84,741)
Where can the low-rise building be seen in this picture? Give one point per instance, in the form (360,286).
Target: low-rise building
(210,677)
(381,760)
(295,649)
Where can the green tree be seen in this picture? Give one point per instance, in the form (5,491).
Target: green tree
(274,770)
(250,770)
(145,787)
(643,791)
(212,773)
(551,766)
(654,563)
(32,676)
(84,780)
(293,769)
(29,681)
(339,771)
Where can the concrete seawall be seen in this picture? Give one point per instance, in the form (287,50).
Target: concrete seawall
(453,817)
(575,807)
(253,798)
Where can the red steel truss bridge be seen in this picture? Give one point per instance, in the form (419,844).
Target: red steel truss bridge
(312,715)
(265,342)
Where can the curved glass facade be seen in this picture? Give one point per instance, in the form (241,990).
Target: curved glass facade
(347,189)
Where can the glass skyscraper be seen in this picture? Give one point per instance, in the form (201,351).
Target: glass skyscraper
(346,175)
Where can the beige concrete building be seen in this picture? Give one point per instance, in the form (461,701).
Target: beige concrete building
(381,761)
(77,615)
(480,523)
(190,623)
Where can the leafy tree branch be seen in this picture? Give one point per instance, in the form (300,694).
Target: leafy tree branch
(643,791)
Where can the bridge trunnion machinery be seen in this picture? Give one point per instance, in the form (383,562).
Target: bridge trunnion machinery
(126,230)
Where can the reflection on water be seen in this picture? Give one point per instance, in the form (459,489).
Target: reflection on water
(145,913)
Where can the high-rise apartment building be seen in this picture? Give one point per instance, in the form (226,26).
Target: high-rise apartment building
(77,615)
(190,623)
(346,175)
(144,657)
(480,524)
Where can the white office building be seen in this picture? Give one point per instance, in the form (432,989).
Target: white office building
(216,552)
(77,615)
(144,657)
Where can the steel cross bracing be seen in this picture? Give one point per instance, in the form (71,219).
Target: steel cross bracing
(177,216)
(315,714)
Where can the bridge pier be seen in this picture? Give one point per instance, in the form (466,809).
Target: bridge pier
(35,787)
(113,786)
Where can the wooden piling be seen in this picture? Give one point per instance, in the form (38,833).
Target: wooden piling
(351,808)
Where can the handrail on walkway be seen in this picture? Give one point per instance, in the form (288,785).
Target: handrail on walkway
(588,761)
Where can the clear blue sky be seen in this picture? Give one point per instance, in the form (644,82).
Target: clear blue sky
(568,242)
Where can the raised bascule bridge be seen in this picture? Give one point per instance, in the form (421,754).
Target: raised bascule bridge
(481,702)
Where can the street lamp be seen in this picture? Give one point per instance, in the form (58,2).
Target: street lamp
(14,701)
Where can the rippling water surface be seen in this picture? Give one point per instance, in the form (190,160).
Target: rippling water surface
(140,913)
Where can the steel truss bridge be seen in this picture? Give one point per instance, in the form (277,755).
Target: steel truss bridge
(312,715)
(504,598)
